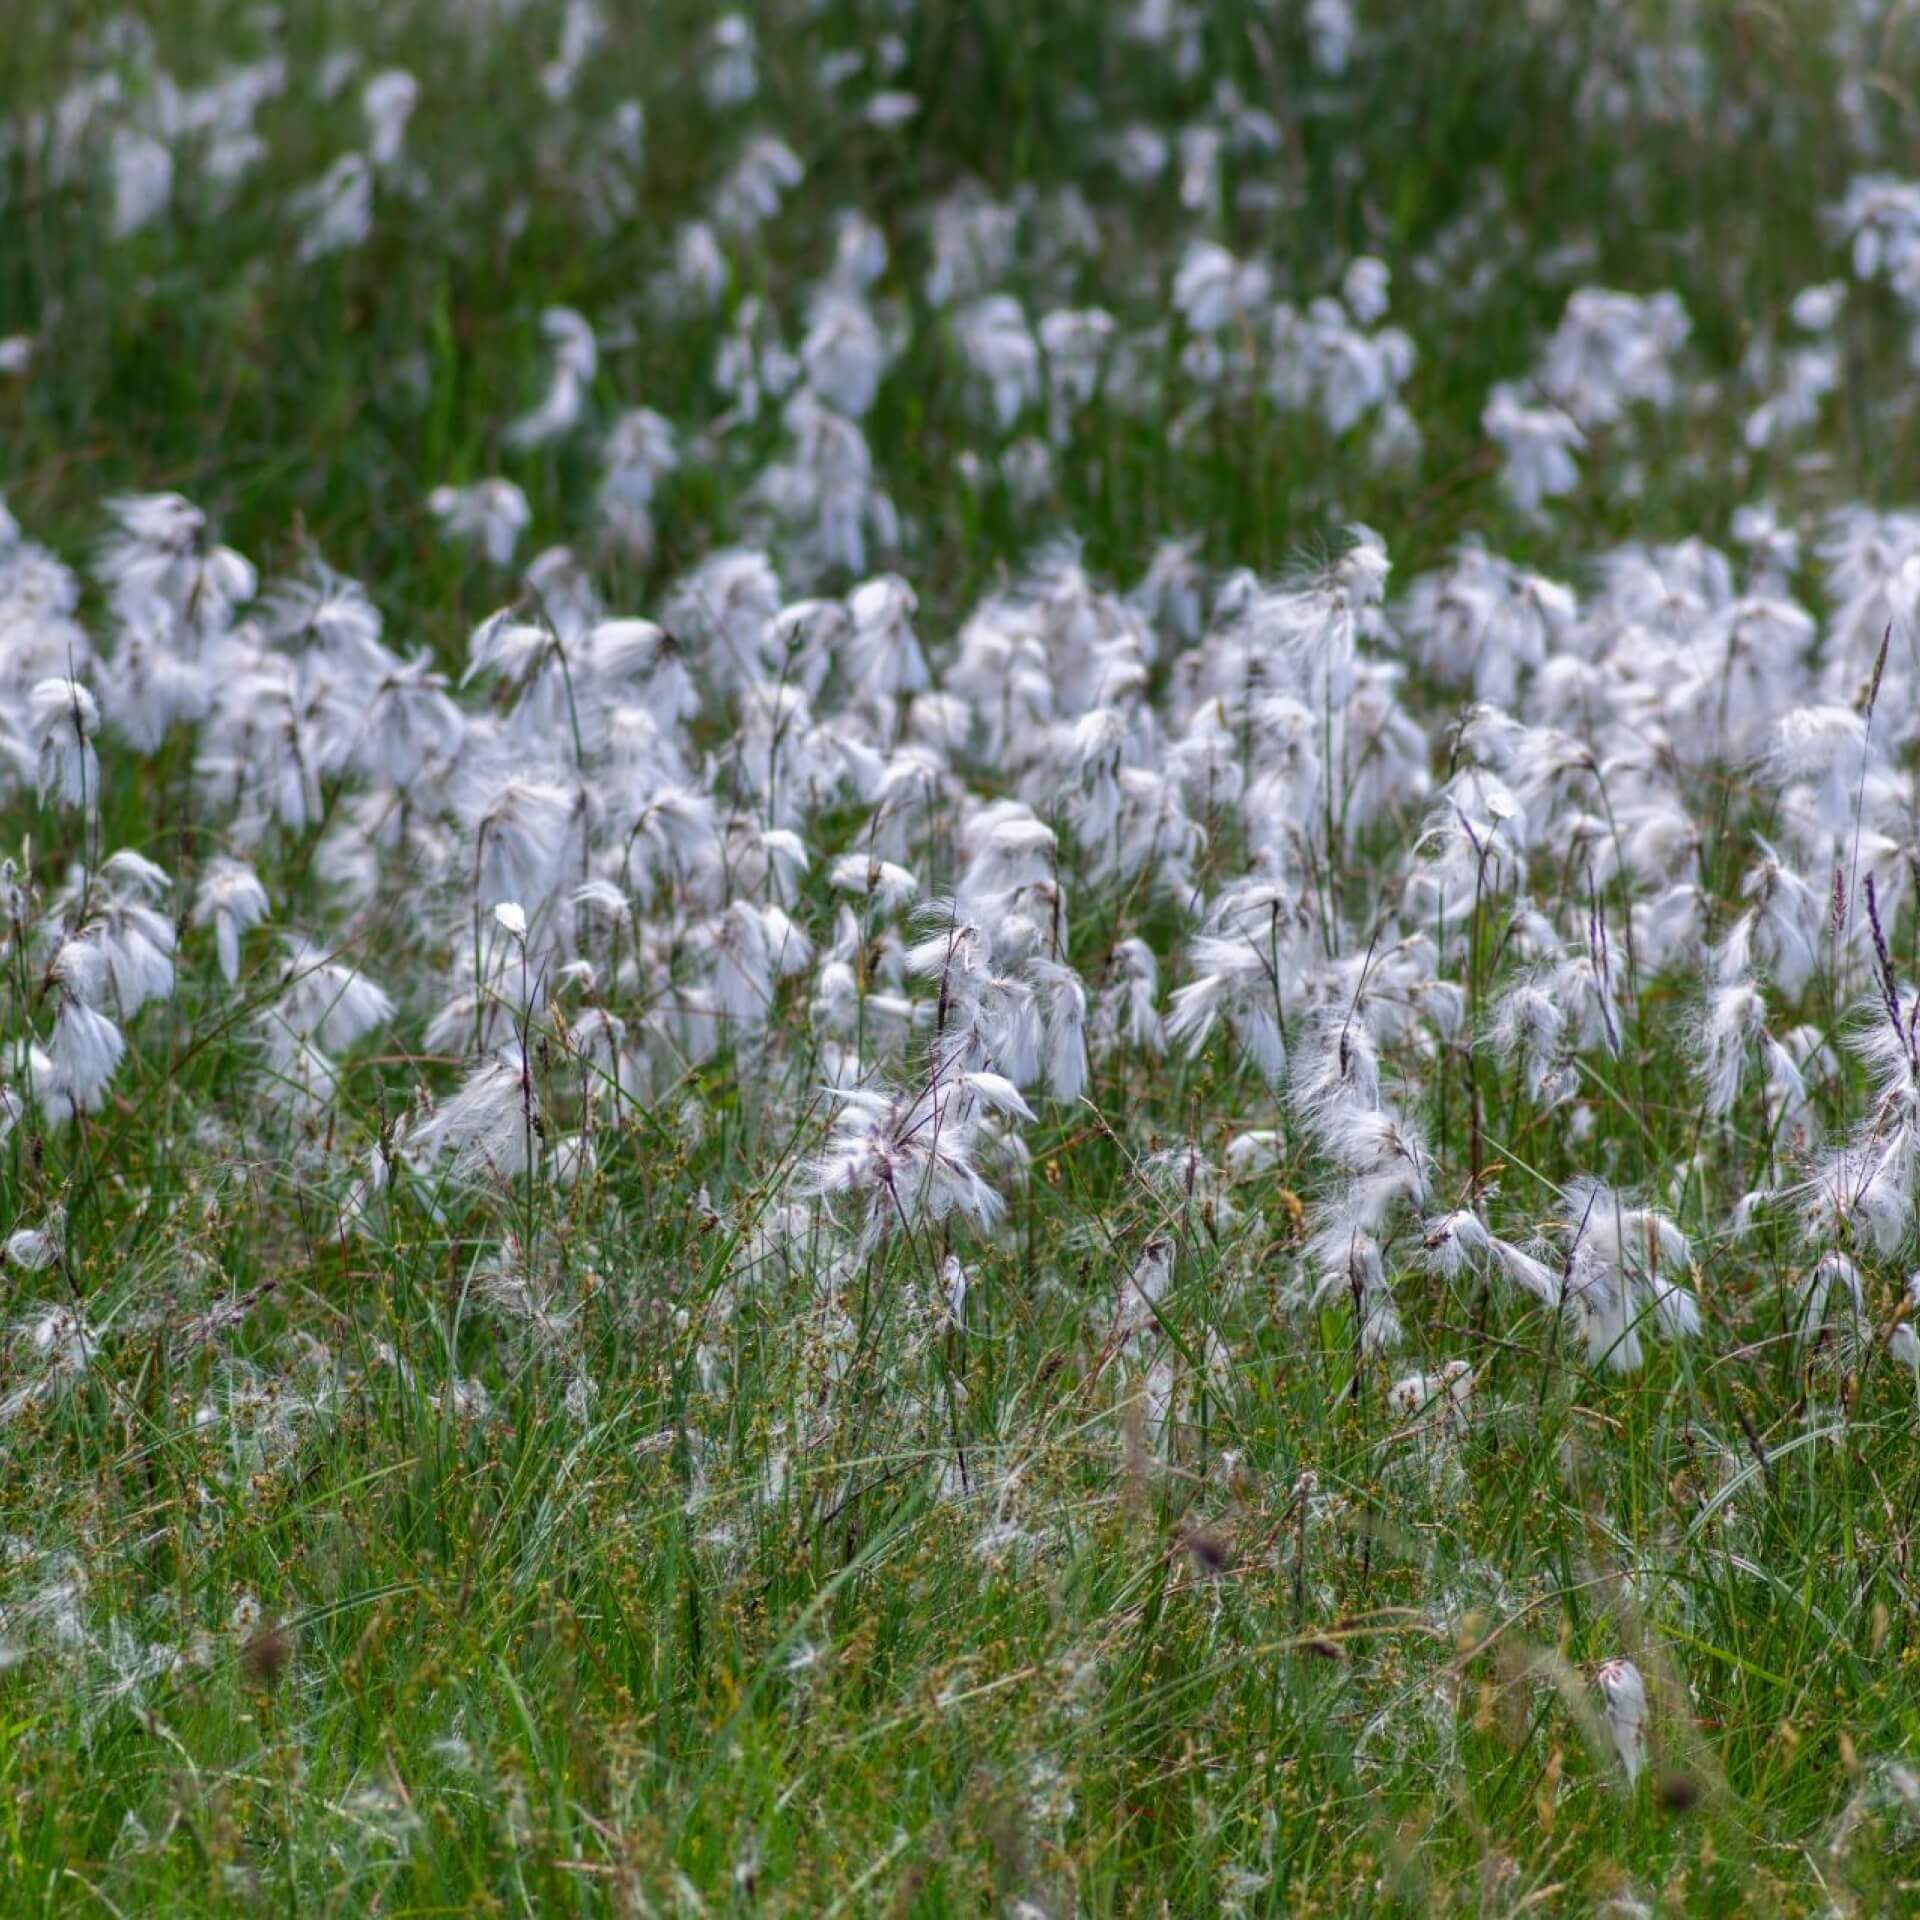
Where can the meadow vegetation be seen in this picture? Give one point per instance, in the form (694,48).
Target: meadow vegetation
(959,957)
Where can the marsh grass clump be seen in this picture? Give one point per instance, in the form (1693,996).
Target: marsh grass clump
(958,959)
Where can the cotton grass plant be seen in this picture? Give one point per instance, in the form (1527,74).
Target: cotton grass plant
(958,961)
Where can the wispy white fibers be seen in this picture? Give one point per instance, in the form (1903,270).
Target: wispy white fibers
(1623,1695)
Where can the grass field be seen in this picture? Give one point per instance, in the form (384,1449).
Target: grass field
(1099,1095)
